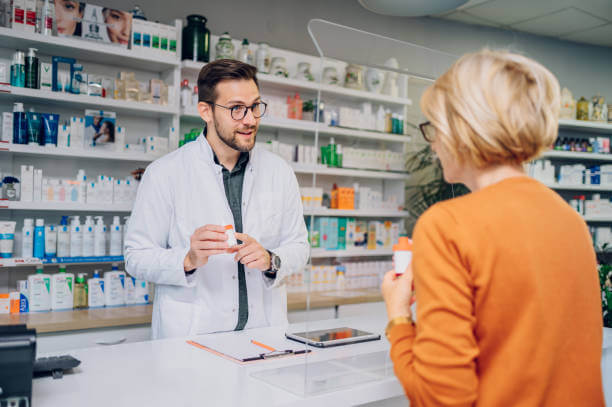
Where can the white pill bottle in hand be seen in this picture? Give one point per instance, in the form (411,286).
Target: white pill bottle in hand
(402,254)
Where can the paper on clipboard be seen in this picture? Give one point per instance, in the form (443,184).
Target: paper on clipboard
(238,347)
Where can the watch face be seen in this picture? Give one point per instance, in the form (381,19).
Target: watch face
(276,262)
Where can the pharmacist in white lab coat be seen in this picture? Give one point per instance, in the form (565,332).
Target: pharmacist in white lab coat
(176,238)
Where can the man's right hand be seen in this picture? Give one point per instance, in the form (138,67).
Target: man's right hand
(206,241)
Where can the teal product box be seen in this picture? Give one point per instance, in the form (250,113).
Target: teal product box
(332,237)
(342,233)
(321,225)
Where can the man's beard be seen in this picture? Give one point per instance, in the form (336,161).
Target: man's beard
(231,140)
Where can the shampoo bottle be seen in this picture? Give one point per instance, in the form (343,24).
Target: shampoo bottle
(88,237)
(62,286)
(27,238)
(50,241)
(39,239)
(39,290)
(76,238)
(95,291)
(18,70)
(63,238)
(100,237)
(115,238)
(80,291)
(114,287)
(31,69)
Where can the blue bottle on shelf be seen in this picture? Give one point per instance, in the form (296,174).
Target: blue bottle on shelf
(39,239)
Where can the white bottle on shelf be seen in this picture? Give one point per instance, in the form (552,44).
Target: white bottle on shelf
(88,237)
(115,237)
(126,219)
(39,291)
(63,238)
(100,237)
(114,287)
(27,238)
(62,286)
(95,290)
(76,238)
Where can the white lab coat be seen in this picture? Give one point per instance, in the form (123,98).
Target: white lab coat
(183,191)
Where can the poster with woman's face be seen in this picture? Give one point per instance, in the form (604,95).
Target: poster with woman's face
(93,22)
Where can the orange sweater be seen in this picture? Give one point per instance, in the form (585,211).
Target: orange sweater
(508,303)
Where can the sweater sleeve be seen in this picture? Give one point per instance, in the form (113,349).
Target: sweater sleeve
(435,362)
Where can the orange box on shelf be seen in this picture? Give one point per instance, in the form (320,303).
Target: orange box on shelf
(343,198)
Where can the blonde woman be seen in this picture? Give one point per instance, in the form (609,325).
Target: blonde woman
(508,303)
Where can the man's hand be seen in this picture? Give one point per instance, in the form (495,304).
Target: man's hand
(206,241)
(251,253)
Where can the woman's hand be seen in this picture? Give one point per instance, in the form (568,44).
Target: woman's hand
(397,292)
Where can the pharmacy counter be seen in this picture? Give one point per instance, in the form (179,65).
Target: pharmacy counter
(172,372)
(73,320)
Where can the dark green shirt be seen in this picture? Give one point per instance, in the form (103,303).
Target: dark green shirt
(232,182)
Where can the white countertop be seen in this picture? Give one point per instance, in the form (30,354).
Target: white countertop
(173,373)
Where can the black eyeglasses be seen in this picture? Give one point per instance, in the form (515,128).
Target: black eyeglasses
(428,131)
(239,112)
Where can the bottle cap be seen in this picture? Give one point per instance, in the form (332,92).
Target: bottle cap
(40,222)
(229,227)
(404,244)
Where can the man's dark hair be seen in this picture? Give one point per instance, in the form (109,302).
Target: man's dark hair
(222,70)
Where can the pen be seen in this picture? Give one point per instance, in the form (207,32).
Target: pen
(262,345)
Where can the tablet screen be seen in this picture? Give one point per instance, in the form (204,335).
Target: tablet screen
(326,335)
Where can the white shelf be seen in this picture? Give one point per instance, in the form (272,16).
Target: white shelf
(324,254)
(63,206)
(15,94)
(345,172)
(573,155)
(267,81)
(358,213)
(27,150)
(311,127)
(602,188)
(590,127)
(69,261)
(84,50)
(19,262)
(598,218)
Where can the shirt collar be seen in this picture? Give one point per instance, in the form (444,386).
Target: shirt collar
(245,159)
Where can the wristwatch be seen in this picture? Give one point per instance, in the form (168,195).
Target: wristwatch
(397,321)
(275,265)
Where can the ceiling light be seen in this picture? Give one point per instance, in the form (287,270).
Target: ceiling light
(410,8)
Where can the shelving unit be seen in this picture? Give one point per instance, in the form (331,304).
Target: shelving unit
(586,126)
(51,151)
(325,254)
(356,213)
(63,206)
(574,155)
(594,188)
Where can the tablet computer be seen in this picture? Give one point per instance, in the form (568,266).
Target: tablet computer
(333,337)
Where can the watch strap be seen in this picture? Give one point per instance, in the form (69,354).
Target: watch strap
(404,319)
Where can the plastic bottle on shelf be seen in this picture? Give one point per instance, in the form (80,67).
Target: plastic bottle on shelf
(88,237)
(115,237)
(100,237)
(290,108)
(63,238)
(340,279)
(297,106)
(126,220)
(76,238)
(39,291)
(114,287)
(39,239)
(50,241)
(185,94)
(62,286)
(80,291)
(27,238)
(95,291)
(380,119)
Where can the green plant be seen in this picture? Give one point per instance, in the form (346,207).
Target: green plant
(428,186)
(604,259)
(308,106)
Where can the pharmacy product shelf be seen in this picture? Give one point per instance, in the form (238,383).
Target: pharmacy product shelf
(275,82)
(324,254)
(311,127)
(602,188)
(358,213)
(63,206)
(346,172)
(74,261)
(589,127)
(51,151)
(15,94)
(573,155)
(86,51)
(598,218)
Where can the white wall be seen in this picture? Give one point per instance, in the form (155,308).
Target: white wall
(583,68)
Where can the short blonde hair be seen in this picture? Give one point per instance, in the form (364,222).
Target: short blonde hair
(494,107)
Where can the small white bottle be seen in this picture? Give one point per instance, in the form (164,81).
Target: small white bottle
(380,119)
(100,237)
(130,290)
(88,237)
(340,280)
(115,237)
(50,241)
(95,291)
(114,287)
(76,238)
(63,238)
(39,291)
(126,220)
(62,286)
(231,236)
(27,238)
